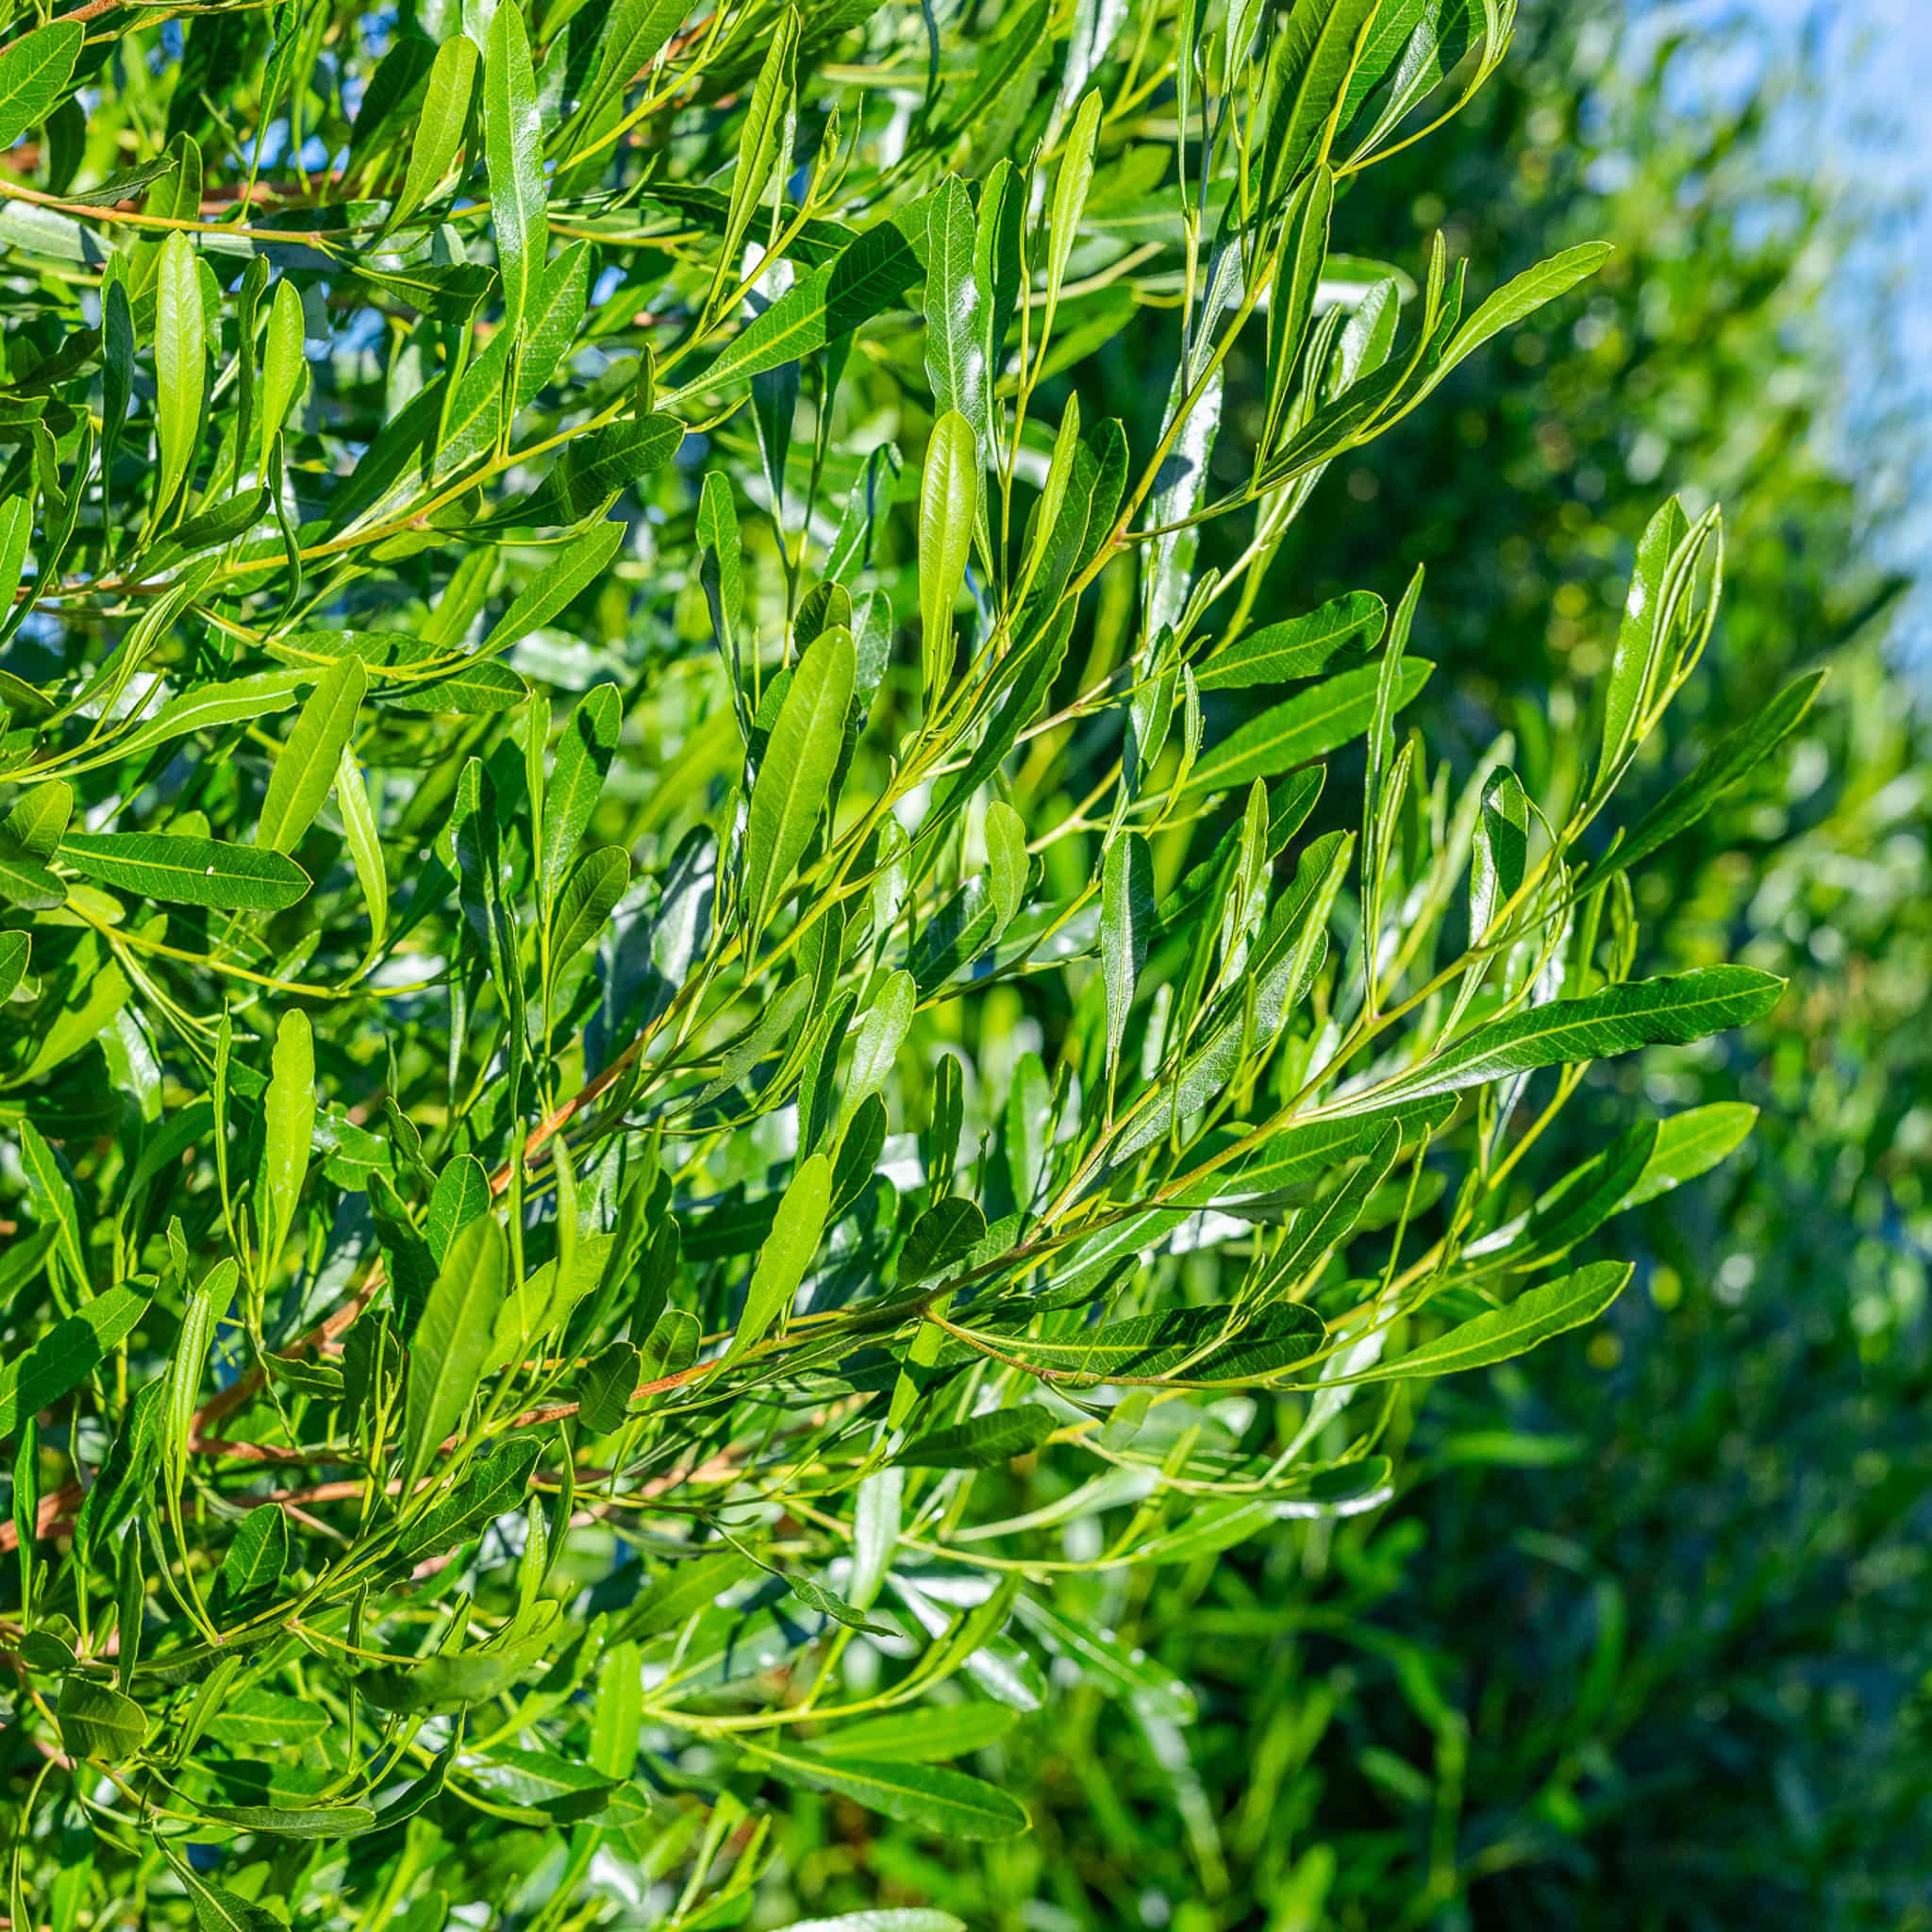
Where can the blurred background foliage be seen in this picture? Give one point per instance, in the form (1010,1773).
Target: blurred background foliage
(1647,1640)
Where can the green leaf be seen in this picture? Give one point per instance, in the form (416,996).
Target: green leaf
(27,884)
(98,1723)
(924,1735)
(1532,1318)
(787,1253)
(1309,74)
(604,1393)
(256,1719)
(590,895)
(476,691)
(188,872)
(440,123)
(1070,183)
(287,1128)
(452,1341)
(1006,861)
(795,777)
(1127,929)
(1182,1346)
(365,849)
(1689,1144)
(513,155)
(941,1238)
(293,1820)
(34,72)
(868,277)
(180,364)
(541,1785)
(764,139)
(578,770)
(495,1482)
(956,351)
(218,1909)
(1633,663)
(982,1442)
(256,1559)
(283,366)
(1524,295)
(633,37)
(946,1803)
(948,502)
(306,765)
(14,948)
(38,819)
(65,1354)
(1724,767)
(1307,725)
(1618,1019)
(1298,646)
(551,591)
(1298,281)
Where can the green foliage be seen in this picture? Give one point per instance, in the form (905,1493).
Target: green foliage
(674,1070)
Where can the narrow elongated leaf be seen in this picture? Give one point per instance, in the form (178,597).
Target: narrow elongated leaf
(439,125)
(218,1909)
(188,872)
(513,149)
(1689,1144)
(1524,294)
(869,277)
(180,363)
(633,37)
(764,138)
(452,1341)
(1632,661)
(922,1736)
(15,948)
(1306,725)
(881,1034)
(282,364)
(293,1820)
(1725,766)
(590,895)
(1533,1316)
(578,770)
(1298,646)
(948,501)
(65,1355)
(288,1127)
(956,329)
(1180,1346)
(555,587)
(257,1557)
(308,761)
(207,706)
(1644,1012)
(1126,927)
(982,1442)
(787,1253)
(796,775)
(945,1803)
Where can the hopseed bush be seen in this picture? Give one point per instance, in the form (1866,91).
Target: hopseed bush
(686,1001)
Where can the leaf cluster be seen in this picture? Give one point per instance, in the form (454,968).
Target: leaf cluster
(622,999)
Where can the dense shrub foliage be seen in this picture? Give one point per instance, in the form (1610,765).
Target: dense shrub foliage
(694,1021)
